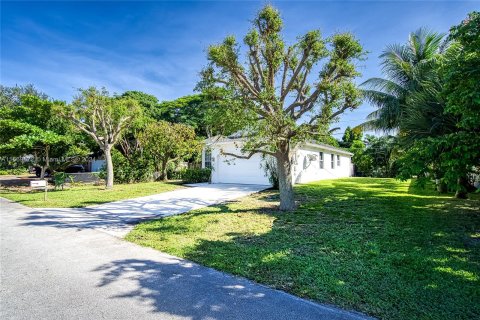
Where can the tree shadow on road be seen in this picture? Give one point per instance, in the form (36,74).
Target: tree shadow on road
(178,287)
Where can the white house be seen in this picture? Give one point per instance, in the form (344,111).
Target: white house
(312,161)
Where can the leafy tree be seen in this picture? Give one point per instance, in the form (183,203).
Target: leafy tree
(363,162)
(11,96)
(283,94)
(377,157)
(440,128)
(403,66)
(103,118)
(350,135)
(166,142)
(190,110)
(461,75)
(30,126)
(148,102)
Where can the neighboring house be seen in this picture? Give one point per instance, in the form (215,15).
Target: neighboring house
(312,161)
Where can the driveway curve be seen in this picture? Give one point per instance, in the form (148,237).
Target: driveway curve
(118,218)
(55,267)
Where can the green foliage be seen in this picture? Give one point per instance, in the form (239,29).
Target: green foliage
(166,142)
(140,169)
(190,110)
(461,78)
(104,119)
(60,178)
(432,98)
(350,135)
(10,97)
(403,66)
(282,95)
(358,243)
(85,194)
(269,166)
(195,175)
(462,74)
(147,102)
(29,124)
(15,171)
(100,116)
(378,158)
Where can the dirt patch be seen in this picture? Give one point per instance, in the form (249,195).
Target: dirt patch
(16,181)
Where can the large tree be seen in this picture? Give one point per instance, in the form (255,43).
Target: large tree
(439,128)
(148,102)
(29,126)
(191,110)
(103,118)
(166,142)
(404,66)
(289,94)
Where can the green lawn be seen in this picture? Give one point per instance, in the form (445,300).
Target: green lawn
(378,246)
(84,195)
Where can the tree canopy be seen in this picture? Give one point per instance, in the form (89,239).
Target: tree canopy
(103,118)
(166,142)
(283,94)
(30,125)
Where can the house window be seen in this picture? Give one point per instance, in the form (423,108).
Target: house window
(208,159)
(332,161)
(321,160)
(338,160)
(305,163)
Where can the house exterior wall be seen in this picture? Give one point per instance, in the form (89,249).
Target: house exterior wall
(228,169)
(306,167)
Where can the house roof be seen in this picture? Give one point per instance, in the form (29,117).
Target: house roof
(311,144)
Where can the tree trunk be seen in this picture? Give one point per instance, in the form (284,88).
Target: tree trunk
(441,186)
(285,184)
(462,192)
(47,163)
(108,158)
(163,171)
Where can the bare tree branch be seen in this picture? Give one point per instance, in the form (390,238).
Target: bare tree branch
(295,75)
(249,155)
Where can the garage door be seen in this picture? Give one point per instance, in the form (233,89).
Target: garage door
(244,171)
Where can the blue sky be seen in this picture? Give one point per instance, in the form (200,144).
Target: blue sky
(159,47)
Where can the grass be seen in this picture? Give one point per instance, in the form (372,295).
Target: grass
(84,195)
(378,246)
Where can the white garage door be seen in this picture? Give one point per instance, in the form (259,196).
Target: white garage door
(245,171)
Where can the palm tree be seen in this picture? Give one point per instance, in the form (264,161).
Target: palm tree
(404,67)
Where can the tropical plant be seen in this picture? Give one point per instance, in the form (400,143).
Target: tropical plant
(282,94)
(404,67)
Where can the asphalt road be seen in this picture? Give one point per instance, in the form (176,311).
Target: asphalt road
(63,271)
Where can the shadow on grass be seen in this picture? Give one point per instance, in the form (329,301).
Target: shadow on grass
(378,247)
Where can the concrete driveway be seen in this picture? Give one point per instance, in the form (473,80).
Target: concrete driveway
(117,218)
(60,271)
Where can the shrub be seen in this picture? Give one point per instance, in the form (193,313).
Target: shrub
(173,172)
(195,175)
(13,171)
(269,165)
(124,171)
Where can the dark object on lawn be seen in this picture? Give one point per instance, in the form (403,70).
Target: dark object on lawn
(75,168)
(38,172)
